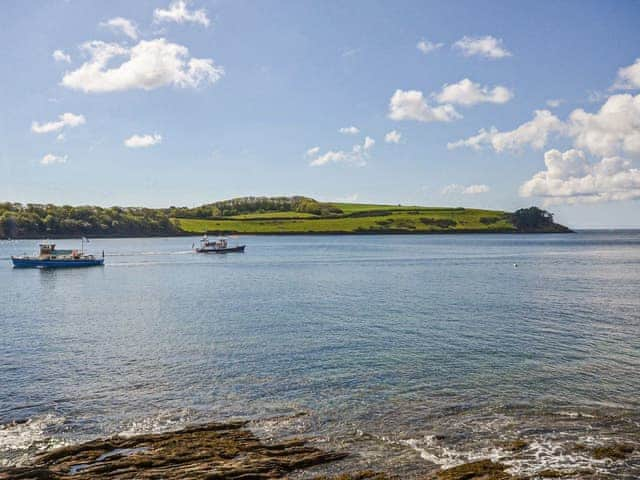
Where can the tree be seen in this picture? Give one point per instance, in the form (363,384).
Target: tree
(532,218)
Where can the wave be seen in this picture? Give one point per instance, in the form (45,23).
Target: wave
(19,440)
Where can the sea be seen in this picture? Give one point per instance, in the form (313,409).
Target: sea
(411,352)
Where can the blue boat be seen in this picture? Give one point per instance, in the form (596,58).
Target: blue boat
(50,257)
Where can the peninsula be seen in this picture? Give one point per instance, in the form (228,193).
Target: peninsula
(265,215)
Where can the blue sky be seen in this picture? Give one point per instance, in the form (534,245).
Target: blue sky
(161,103)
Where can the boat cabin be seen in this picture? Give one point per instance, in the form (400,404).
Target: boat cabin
(48,250)
(218,243)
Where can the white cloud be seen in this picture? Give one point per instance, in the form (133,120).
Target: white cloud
(368,143)
(455,188)
(122,25)
(148,65)
(349,130)
(143,141)
(179,12)
(487,46)
(60,56)
(64,120)
(468,93)
(61,137)
(426,46)
(554,102)
(350,52)
(475,142)
(357,156)
(312,151)
(570,178)
(614,128)
(534,133)
(628,77)
(51,159)
(411,105)
(393,136)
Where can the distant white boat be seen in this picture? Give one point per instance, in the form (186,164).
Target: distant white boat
(220,245)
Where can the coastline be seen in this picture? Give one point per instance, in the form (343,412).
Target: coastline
(232,450)
(298,234)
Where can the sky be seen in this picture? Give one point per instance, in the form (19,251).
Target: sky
(477,104)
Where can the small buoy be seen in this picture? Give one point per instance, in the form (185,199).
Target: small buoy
(515,265)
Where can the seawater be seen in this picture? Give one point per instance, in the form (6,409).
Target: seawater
(412,352)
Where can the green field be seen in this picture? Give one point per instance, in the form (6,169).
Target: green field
(262,215)
(358,218)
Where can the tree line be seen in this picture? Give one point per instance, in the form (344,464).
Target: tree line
(30,220)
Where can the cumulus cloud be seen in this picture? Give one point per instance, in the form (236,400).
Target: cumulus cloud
(475,142)
(468,93)
(455,188)
(487,47)
(147,65)
(60,56)
(312,151)
(64,120)
(628,77)
(51,159)
(393,136)
(411,105)
(349,130)
(179,12)
(357,156)
(426,46)
(368,143)
(554,102)
(534,133)
(614,128)
(122,25)
(143,141)
(570,178)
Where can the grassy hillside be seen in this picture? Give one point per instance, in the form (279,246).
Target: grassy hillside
(359,218)
(262,215)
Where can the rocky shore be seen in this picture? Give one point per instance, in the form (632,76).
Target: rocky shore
(219,451)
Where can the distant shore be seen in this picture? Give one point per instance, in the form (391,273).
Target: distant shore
(265,216)
(293,234)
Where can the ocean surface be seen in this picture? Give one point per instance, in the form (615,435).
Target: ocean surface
(411,352)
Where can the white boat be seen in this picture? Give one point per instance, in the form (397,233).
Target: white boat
(219,245)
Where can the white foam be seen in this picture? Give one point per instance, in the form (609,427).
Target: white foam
(159,423)
(544,453)
(16,439)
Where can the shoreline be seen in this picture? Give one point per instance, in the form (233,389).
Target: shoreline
(233,450)
(297,234)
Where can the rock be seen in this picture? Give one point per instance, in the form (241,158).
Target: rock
(215,451)
(365,475)
(480,470)
(515,445)
(615,451)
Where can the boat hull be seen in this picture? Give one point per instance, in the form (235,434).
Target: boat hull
(238,249)
(48,263)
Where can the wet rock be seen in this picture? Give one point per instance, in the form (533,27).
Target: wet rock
(616,451)
(365,475)
(515,445)
(480,470)
(213,451)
